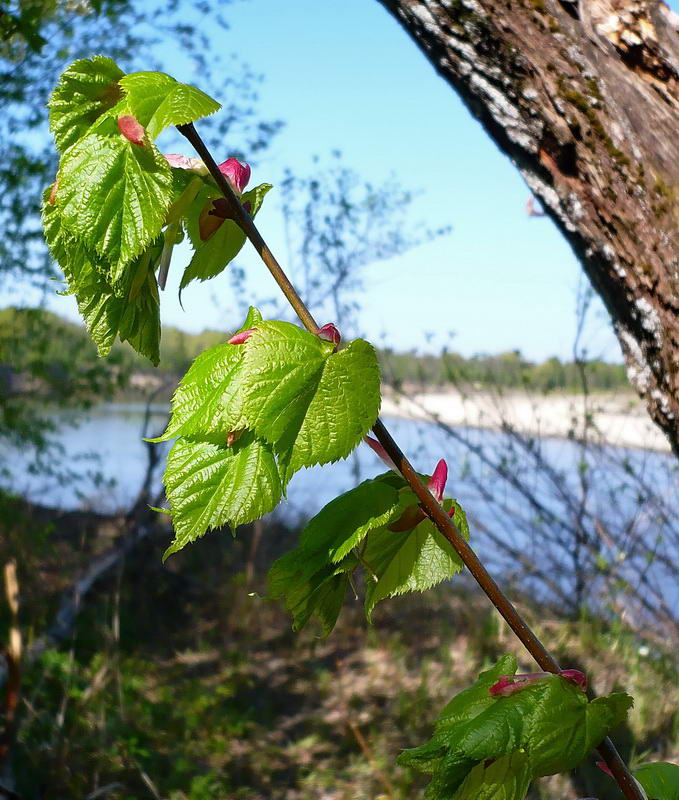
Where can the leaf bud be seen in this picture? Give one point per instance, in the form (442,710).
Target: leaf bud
(234,436)
(242,336)
(185,162)
(236,173)
(510,684)
(437,482)
(330,333)
(131,129)
(575,676)
(381,452)
(53,192)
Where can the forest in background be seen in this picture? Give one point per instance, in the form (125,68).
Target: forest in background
(20,353)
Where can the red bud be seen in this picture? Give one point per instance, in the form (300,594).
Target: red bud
(233,437)
(131,129)
(381,452)
(510,684)
(236,173)
(243,336)
(185,162)
(575,676)
(437,482)
(330,333)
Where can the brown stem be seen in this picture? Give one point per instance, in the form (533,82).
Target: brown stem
(432,508)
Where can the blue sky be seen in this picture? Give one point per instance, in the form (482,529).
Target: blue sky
(344,75)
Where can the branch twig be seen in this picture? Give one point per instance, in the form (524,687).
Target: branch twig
(431,507)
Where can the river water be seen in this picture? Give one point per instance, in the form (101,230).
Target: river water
(624,489)
(108,440)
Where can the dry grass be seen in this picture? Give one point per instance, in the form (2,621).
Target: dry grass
(184,682)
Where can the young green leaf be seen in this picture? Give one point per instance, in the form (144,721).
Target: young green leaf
(114,195)
(465,707)
(438,755)
(475,699)
(207,192)
(311,404)
(214,254)
(67,251)
(337,529)
(549,720)
(86,90)
(320,593)
(209,485)
(107,316)
(140,322)
(345,521)
(134,318)
(282,362)
(94,296)
(358,524)
(308,575)
(409,561)
(157,100)
(344,406)
(207,399)
(507,778)
(447,779)
(564,707)
(659,779)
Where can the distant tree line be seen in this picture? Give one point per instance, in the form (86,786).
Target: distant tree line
(510,370)
(21,350)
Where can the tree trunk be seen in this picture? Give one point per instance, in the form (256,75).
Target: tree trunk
(583,97)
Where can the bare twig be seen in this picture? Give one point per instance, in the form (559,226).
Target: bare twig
(13,660)
(102,791)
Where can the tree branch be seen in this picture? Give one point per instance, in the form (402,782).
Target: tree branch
(431,507)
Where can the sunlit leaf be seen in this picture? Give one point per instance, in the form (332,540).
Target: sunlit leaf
(106,314)
(207,400)
(87,89)
(158,100)
(114,195)
(209,485)
(312,404)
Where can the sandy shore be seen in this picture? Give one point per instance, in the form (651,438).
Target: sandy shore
(617,419)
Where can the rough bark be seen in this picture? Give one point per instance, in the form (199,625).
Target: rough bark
(584,98)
